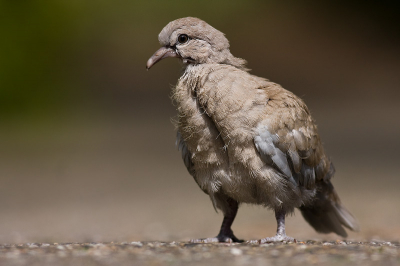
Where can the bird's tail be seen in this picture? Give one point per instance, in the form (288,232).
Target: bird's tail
(326,214)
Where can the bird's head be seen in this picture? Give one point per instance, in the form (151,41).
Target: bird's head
(194,42)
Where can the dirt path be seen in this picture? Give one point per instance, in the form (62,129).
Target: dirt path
(184,253)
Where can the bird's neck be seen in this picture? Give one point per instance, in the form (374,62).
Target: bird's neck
(234,61)
(218,57)
(194,73)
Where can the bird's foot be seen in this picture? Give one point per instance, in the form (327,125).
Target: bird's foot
(221,238)
(277,238)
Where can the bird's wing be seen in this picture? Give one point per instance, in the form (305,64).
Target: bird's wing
(288,140)
(187,160)
(186,155)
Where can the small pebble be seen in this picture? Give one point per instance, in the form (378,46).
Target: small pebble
(137,244)
(236,251)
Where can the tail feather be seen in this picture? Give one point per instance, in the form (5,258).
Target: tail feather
(346,218)
(326,214)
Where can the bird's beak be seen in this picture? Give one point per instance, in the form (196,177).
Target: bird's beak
(161,53)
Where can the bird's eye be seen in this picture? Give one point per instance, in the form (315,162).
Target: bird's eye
(183,38)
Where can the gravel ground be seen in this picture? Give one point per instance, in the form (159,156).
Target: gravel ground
(184,253)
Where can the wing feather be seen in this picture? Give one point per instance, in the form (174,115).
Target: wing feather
(288,140)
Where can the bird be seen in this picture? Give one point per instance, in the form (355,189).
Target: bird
(245,139)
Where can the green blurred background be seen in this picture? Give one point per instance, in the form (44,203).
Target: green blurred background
(86,144)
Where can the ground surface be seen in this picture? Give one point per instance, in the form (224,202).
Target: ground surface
(184,253)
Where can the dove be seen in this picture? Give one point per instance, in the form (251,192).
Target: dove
(245,139)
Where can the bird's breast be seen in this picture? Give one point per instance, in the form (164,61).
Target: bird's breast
(197,129)
(235,101)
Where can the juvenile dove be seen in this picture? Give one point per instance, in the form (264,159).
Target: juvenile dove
(245,139)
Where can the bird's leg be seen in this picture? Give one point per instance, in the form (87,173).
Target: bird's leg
(280,232)
(225,233)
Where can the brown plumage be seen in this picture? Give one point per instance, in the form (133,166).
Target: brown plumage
(245,139)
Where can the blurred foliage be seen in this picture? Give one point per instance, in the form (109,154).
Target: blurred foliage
(47,46)
(57,55)
(36,37)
